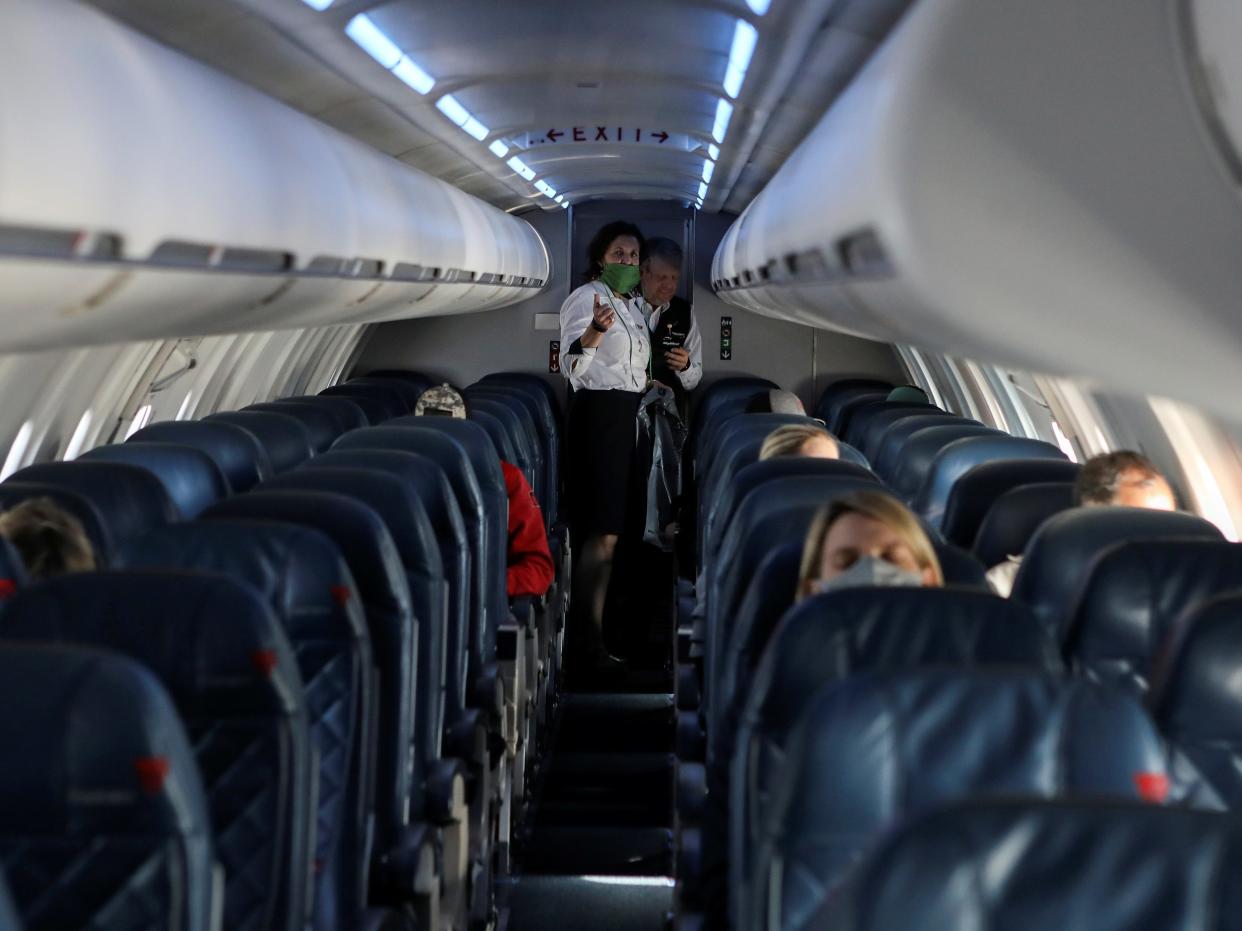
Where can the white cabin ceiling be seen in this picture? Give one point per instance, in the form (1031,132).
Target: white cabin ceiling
(522,69)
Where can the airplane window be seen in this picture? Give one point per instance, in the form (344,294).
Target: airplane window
(17,452)
(1210,460)
(77,442)
(183,412)
(139,421)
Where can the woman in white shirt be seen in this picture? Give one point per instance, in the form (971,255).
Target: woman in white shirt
(608,364)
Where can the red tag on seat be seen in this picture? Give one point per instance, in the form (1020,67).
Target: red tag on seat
(8,588)
(264,661)
(1152,787)
(152,771)
(341,594)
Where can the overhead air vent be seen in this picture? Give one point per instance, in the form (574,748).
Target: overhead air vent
(61,244)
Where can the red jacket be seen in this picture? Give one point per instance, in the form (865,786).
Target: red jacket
(530,563)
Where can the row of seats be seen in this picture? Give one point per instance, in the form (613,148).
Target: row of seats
(817,730)
(335,698)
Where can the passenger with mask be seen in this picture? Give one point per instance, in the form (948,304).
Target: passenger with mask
(1118,479)
(866,538)
(608,365)
(676,344)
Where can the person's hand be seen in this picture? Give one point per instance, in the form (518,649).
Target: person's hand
(678,359)
(603,314)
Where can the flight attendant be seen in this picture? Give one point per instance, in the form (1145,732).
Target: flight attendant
(608,364)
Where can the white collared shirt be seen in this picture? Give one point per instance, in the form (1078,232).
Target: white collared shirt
(694,342)
(620,362)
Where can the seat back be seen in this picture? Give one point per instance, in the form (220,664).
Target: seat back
(363,539)
(381,402)
(867,425)
(190,477)
(236,451)
(895,435)
(734,432)
(349,415)
(303,578)
(542,403)
(402,512)
(286,440)
(406,389)
(841,390)
(974,493)
(129,499)
(830,637)
(957,459)
(14,493)
(1060,556)
(949,734)
(521,433)
(12,571)
(323,423)
(879,423)
(1132,598)
(1014,517)
(541,436)
(226,663)
(721,400)
(1194,694)
(1046,864)
(8,911)
(420,381)
(428,481)
(103,818)
(920,450)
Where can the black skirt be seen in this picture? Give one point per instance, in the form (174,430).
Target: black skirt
(600,461)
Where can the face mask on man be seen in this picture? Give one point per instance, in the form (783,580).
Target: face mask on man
(621,278)
(869,571)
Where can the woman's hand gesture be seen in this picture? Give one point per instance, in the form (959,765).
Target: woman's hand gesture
(603,313)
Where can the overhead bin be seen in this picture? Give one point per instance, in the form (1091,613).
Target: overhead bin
(1051,185)
(144,195)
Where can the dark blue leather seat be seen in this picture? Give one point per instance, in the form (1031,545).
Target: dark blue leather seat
(239,455)
(721,400)
(1014,517)
(103,819)
(13,493)
(420,381)
(348,414)
(323,424)
(8,911)
(1194,693)
(405,389)
(503,442)
(12,572)
(735,432)
(955,461)
(226,662)
(521,435)
(1047,864)
(402,512)
(973,495)
(191,478)
(302,576)
(541,436)
(129,499)
(869,421)
(381,402)
(1061,555)
(368,548)
(286,440)
(877,424)
(894,436)
(831,637)
(841,390)
(948,735)
(543,405)
(920,450)
(1133,596)
(376,407)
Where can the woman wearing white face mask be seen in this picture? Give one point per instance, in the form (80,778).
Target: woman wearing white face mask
(866,538)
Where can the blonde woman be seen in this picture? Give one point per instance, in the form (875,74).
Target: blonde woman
(866,538)
(799,439)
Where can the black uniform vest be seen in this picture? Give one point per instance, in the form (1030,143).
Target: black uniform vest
(671,332)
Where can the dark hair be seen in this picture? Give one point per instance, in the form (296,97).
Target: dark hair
(1097,481)
(603,239)
(664,249)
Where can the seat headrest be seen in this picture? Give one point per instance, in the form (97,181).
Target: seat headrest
(1014,517)
(285,439)
(417,379)
(724,397)
(961,456)
(239,455)
(348,414)
(93,746)
(1060,556)
(974,493)
(1194,690)
(502,442)
(878,748)
(298,571)
(1134,594)
(324,424)
(877,424)
(473,440)
(13,493)
(835,635)
(191,478)
(442,449)
(359,533)
(858,429)
(207,638)
(422,475)
(837,403)
(409,391)
(1044,864)
(894,437)
(129,498)
(738,431)
(395,502)
(382,402)
(959,567)
(920,450)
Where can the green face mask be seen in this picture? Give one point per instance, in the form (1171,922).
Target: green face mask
(621,278)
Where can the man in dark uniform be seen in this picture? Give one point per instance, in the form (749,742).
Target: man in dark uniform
(676,346)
